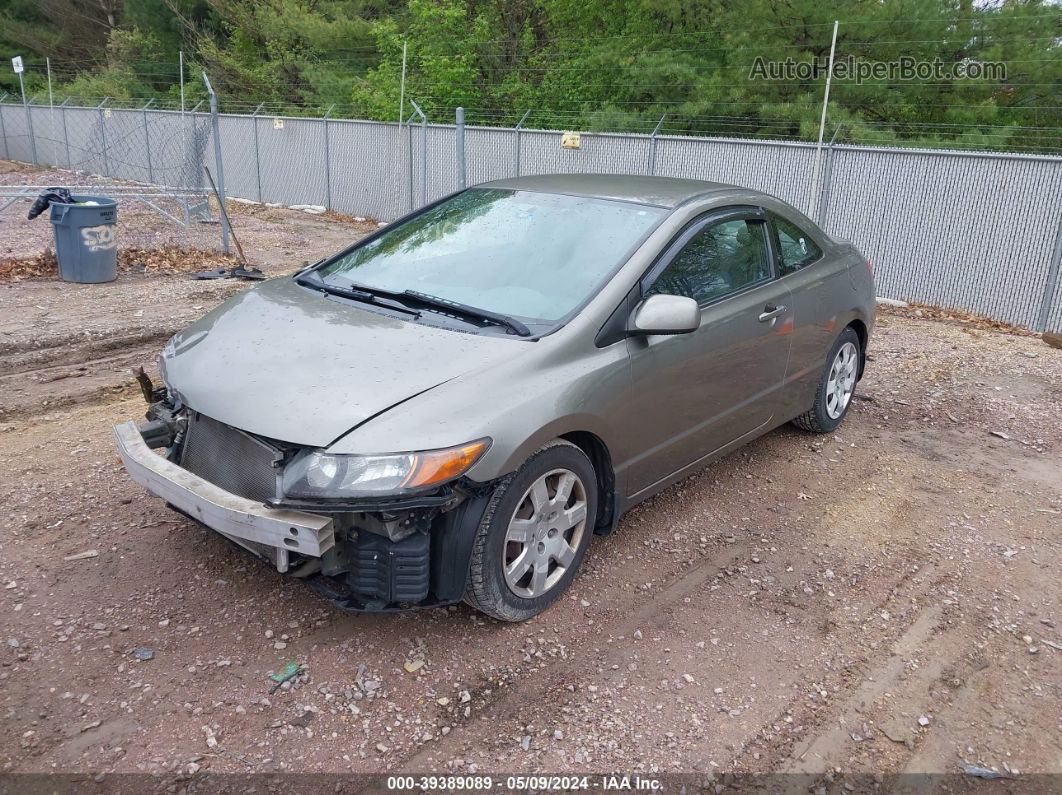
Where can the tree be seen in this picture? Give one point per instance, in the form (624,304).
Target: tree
(605,65)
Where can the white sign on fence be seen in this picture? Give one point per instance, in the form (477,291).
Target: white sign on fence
(16,64)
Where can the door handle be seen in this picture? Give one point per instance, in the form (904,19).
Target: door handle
(770,312)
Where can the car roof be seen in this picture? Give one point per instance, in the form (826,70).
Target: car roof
(658,191)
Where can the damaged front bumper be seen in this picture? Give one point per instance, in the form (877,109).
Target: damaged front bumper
(377,555)
(239,519)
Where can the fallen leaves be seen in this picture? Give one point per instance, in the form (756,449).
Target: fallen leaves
(166,261)
(969,320)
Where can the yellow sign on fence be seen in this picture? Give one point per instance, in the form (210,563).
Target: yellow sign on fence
(571,140)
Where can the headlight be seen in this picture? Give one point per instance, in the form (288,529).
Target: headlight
(315,475)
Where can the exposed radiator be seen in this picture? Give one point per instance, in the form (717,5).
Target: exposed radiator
(229,458)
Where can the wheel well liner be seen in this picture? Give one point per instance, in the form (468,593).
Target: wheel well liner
(600,457)
(860,328)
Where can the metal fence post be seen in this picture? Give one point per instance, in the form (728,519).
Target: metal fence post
(328,160)
(516,143)
(193,176)
(257,162)
(423,156)
(1047,302)
(66,136)
(29,118)
(813,210)
(3,127)
(824,196)
(147,140)
(32,134)
(409,158)
(402,86)
(460,134)
(51,115)
(103,138)
(652,146)
(218,162)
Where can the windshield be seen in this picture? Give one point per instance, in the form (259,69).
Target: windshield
(534,256)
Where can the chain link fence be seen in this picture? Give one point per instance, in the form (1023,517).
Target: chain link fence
(149,159)
(975,231)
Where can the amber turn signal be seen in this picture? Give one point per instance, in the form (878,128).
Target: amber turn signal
(440,466)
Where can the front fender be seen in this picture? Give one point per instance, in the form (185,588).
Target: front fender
(519,407)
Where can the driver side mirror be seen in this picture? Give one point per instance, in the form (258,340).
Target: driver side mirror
(665,314)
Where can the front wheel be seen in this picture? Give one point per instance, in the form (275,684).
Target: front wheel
(836,387)
(533,534)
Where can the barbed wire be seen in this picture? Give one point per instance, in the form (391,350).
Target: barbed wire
(575,114)
(575,106)
(1018,138)
(456,96)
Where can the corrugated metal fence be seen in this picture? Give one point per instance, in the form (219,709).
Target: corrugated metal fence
(974,231)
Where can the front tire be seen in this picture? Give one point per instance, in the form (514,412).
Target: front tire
(533,534)
(836,388)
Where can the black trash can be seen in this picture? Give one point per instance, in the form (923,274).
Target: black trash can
(86,239)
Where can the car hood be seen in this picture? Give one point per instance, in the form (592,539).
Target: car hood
(295,365)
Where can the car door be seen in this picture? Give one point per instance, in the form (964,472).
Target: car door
(695,393)
(820,288)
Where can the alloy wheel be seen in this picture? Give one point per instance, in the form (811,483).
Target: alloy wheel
(842,380)
(544,533)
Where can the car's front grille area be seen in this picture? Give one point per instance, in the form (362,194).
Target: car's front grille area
(229,458)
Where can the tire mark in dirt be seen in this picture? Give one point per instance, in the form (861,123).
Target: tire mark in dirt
(96,381)
(653,613)
(655,616)
(949,730)
(76,350)
(825,750)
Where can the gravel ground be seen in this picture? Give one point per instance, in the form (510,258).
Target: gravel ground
(880,600)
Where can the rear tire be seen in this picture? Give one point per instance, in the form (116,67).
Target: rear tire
(836,389)
(533,534)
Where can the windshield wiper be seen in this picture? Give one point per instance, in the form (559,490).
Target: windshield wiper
(368,296)
(475,313)
(360,292)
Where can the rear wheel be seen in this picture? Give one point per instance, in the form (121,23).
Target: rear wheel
(533,534)
(836,387)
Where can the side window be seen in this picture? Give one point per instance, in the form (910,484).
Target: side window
(797,249)
(722,258)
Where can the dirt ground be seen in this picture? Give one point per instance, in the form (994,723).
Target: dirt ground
(880,600)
